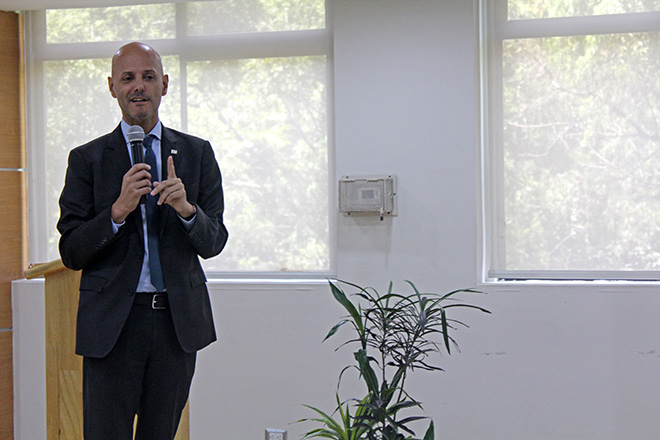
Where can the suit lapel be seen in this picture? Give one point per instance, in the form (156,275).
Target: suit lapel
(169,146)
(117,153)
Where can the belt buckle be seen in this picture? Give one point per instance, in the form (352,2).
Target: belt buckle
(154,300)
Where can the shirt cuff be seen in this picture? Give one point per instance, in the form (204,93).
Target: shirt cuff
(188,222)
(115,226)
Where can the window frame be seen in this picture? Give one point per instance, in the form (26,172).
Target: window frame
(493,29)
(188,48)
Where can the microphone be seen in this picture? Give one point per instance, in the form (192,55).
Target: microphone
(135,135)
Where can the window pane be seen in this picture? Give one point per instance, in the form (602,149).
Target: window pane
(79,108)
(266,119)
(526,9)
(581,153)
(236,16)
(118,23)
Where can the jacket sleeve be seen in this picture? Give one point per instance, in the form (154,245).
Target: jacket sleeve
(85,233)
(208,234)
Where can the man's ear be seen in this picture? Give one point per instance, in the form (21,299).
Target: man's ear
(111,87)
(166,81)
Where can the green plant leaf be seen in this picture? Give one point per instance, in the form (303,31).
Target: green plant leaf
(445,330)
(411,419)
(469,306)
(430,433)
(342,299)
(392,410)
(336,327)
(325,418)
(366,371)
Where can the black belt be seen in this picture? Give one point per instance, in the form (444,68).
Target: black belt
(155,300)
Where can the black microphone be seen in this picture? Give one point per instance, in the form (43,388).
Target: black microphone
(135,135)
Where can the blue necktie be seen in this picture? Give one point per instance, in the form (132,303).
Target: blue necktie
(153,220)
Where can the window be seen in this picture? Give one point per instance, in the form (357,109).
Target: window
(571,123)
(251,76)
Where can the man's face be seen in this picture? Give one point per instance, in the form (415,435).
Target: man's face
(138,83)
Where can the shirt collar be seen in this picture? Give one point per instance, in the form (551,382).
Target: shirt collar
(156,131)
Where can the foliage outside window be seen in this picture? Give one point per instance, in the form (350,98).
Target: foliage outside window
(572,112)
(262,104)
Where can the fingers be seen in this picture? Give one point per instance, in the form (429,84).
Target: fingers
(138,179)
(138,176)
(172,190)
(138,171)
(138,167)
(171,172)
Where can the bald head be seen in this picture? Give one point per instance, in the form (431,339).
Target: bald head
(137,49)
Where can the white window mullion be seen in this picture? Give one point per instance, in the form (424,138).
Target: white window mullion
(592,25)
(182,36)
(260,45)
(35,142)
(494,155)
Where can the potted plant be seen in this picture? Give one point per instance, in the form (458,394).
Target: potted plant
(394,335)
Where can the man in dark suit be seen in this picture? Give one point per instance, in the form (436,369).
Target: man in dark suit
(140,323)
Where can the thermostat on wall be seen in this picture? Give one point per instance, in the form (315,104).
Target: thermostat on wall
(368,195)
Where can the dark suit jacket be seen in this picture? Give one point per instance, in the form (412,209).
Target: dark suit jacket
(111,263)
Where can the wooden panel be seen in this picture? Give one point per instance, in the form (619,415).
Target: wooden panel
(63,366)
(6,387)
(13,233)
(5,303)
(11,150)
(183,433)
(184,426)
(12,238)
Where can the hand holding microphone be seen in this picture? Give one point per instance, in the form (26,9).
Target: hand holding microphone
(136,183)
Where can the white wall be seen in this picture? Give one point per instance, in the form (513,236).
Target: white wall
(406,104)
(551,362)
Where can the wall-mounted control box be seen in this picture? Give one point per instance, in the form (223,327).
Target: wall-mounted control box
(374,195)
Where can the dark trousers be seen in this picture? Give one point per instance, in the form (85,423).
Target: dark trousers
(146,373)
